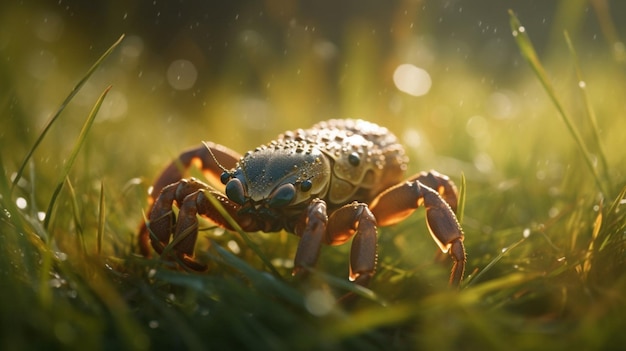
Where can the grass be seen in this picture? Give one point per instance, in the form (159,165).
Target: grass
(543,215)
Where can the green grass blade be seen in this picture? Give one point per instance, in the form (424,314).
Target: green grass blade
(45,294)
(528,52)
(461,206)
(76,217)
(79,143)
(56,115)
(493,262)
(243,234)
(260,279)
(591,115)
(101,215)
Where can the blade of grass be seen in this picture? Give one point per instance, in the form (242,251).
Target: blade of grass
(244,235)
(461,206)
(76,217)
(47,254)
(260,279)
(528,52)
(615,222)
(56,115)
(346,285)
(100,232)
(79,143)
(586,265)
(591,115)
(495,260)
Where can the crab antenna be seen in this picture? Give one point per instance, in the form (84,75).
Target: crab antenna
(214,158)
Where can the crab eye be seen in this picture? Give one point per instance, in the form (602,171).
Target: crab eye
(225,177)
(235,191)
(282,196)
(354,159)
(306,185)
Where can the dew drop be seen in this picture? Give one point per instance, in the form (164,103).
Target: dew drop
(21,203)
(55,283)
(234,247)
(62,256)
(218,231)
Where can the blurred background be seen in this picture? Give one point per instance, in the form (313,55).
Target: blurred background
(446,76)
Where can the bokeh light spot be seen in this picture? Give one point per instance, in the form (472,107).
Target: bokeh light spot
(50,27)
(182,74)
(412,80)
(319,302)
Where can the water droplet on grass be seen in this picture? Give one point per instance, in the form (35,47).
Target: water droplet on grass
(234,247)
(21,203)
(519,30)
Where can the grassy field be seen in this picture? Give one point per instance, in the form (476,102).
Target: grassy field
(536,143)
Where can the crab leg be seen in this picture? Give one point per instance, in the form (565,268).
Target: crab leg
(441,183)
(204,157)
(312,232)
(396,203)
(352,220)
(191,196)
(356,219)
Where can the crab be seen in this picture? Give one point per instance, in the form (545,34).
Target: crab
(338,180)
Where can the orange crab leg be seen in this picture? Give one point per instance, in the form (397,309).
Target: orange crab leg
(312,232)
(203,157)
(352,220)
(357,219)
(441,183)
(191,197)
(396,203)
